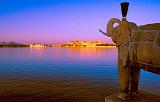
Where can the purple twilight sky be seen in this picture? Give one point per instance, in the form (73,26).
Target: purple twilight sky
(59,21)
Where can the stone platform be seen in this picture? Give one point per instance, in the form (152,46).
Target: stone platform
(143,97)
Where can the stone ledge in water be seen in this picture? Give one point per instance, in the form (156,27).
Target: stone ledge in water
(143,97)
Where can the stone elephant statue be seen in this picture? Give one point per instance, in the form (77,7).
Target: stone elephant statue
(137,46)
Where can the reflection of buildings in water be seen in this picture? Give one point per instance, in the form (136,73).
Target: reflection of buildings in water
(91,53)
(36,52)
(72,54)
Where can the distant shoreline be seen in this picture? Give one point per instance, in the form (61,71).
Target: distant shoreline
(27,46)
(71,44)
(91,44)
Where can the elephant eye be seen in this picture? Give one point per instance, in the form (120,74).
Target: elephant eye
(116,30)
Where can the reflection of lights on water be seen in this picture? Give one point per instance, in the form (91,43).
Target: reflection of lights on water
(36,52)
(74,53)
(89,53)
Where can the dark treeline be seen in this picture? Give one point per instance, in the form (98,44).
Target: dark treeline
(12,44)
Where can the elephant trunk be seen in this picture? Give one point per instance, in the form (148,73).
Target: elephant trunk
(109,29)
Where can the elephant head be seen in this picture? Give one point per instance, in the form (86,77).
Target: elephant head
(120,33)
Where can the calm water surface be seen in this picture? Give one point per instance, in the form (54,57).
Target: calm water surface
(65,72)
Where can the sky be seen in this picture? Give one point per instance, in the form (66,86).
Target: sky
(60,21)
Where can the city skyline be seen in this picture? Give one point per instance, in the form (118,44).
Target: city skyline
(59,21)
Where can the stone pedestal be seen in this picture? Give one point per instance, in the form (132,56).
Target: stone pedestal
(143,97)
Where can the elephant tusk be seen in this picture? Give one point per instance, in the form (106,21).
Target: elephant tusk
(103,32)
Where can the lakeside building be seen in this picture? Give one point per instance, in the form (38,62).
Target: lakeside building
(37,45)
(78,43)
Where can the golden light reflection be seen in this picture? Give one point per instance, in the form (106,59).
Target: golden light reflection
(73,53)
(91,53)
(36,52)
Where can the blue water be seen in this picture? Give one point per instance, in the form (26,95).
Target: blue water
(97,66)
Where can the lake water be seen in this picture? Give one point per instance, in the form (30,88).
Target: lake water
(71,74)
